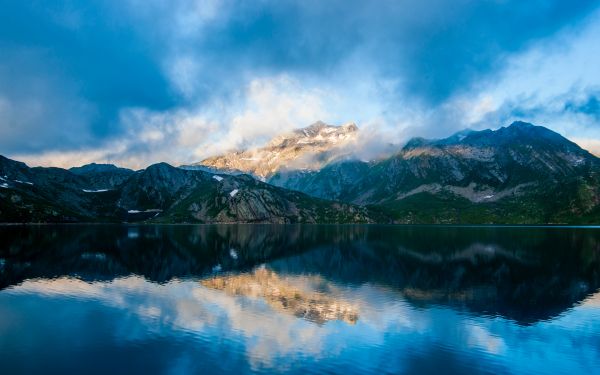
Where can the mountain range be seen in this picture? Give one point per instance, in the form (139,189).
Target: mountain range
(519,174)
(160,193)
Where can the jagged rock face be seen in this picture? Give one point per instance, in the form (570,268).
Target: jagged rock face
(308,148)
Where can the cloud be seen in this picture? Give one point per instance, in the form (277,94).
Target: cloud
(79,64)
(38,108)
(574,114)
(263,108)
(554,83)
(588,105)
(79,76)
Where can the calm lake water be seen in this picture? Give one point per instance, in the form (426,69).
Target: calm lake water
(299,299)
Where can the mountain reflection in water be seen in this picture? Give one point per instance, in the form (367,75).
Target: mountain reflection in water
(351,299)
(283,296)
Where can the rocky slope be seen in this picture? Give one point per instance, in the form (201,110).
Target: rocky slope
(519,174)
(308,148)
(160,193)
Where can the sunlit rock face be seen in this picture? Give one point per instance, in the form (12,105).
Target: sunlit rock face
(308,148)
(282,295)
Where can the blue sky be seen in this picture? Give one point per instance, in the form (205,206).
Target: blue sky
(136,82)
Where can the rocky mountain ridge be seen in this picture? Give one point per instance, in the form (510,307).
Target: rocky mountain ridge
(308,148)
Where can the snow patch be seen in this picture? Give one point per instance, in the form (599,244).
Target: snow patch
(24,182)
(95,191)
(488,196)
(218,178)
(217,268)
(233,254)
(233,192)
(157,210)
(4,185)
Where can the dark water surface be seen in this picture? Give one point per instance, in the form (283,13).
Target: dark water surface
(299,299)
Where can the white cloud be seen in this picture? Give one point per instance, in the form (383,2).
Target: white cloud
(270,105)
(273,106)
(542,78)
(265,107)
(183,72)
(192,15)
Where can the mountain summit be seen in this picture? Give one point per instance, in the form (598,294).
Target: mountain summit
(308,148)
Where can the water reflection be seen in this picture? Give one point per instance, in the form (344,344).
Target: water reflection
(349,299)
(525,274)
(284,296)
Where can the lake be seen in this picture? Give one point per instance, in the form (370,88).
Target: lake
(108,299)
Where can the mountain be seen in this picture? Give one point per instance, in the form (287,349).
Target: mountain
(517,174)
(308,148)
(45,194)
(103,176)
(160,193)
